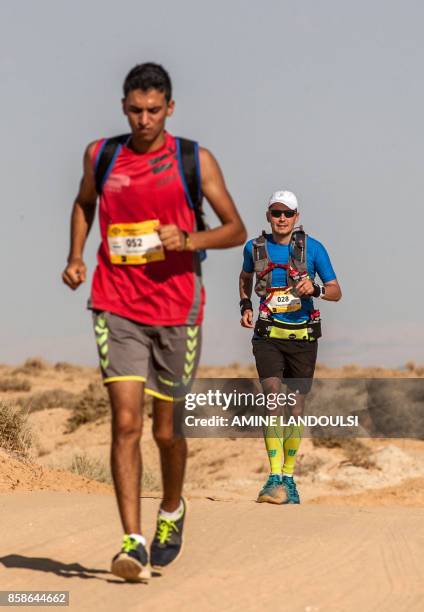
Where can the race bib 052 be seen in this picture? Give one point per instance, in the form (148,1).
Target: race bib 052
(134,243)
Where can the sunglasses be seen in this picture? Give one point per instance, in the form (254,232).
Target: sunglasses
(288,214)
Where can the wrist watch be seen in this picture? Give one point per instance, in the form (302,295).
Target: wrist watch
(187,243)
(319,290)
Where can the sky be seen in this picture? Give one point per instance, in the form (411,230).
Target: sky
(322,98)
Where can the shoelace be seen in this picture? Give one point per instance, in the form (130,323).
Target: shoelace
(164,530)
(291,485)
(129,544)
(273,481)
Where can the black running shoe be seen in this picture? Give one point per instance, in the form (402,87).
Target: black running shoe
(168,540)
(132,563)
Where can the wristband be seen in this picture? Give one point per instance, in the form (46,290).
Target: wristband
(245,304)
(319,290)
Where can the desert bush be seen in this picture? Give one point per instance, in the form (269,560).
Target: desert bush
(149,481)
(308,464)
(355,451)
(15,384)
(89,406)
(396,407)
(53,398)
(32,367)
(64,366)
(410,366)
(15,434)
(93,404)
(94,469)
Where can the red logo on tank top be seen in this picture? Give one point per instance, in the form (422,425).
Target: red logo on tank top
(116,182)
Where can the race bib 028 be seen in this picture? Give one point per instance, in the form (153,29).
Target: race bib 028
(134,243)
(282,300)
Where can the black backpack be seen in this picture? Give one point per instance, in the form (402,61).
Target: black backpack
(188,165)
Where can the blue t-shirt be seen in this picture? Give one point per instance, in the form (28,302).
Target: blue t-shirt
(318,262)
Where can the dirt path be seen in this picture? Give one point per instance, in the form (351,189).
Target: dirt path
(238,555)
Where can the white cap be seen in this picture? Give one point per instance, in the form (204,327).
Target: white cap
(284,197)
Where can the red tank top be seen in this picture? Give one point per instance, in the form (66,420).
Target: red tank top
(142,187)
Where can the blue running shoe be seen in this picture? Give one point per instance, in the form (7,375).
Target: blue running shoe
(273,491)
(168,540)
(291,491)
(132,563)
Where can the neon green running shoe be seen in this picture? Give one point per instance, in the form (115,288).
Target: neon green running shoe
(132,562)
(291,490)
(273,491)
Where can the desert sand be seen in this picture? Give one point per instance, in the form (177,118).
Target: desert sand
(356,541)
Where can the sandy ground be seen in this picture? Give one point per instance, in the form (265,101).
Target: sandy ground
(356,541)
(238,555)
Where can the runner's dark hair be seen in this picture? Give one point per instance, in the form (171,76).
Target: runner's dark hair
(148,76)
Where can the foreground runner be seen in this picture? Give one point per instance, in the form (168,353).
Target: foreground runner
(147,296)
(286,332)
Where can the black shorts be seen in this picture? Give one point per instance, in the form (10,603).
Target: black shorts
(286,359)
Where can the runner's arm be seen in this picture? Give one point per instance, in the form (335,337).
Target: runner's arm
(333,293)
(327,275)
(245,284)
(245,289)
(81,221)
(232,231)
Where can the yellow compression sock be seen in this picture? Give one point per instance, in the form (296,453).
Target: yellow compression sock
(274,445)
(292,439)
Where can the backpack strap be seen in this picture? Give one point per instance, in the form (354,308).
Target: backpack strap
(297,257)
(106,157)
(261,262)
(189,167)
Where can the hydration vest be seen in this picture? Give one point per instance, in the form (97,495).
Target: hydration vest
(296,270)
(296,266)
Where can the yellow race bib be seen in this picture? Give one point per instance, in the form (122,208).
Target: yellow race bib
(134,243)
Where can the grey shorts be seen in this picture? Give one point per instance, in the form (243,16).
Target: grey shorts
(164,358)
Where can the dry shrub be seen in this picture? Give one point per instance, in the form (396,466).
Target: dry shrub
(53,398)
(355,451)
(15,434)
(307,464)
(89,406)
(32,367)
(332,442)
(149,481)
(93,404)
(396,407)
(15,384)
(410,366)
(94,469)
(64,366)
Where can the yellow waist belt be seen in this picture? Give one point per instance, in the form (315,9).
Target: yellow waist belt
(289,334)
(309,331)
